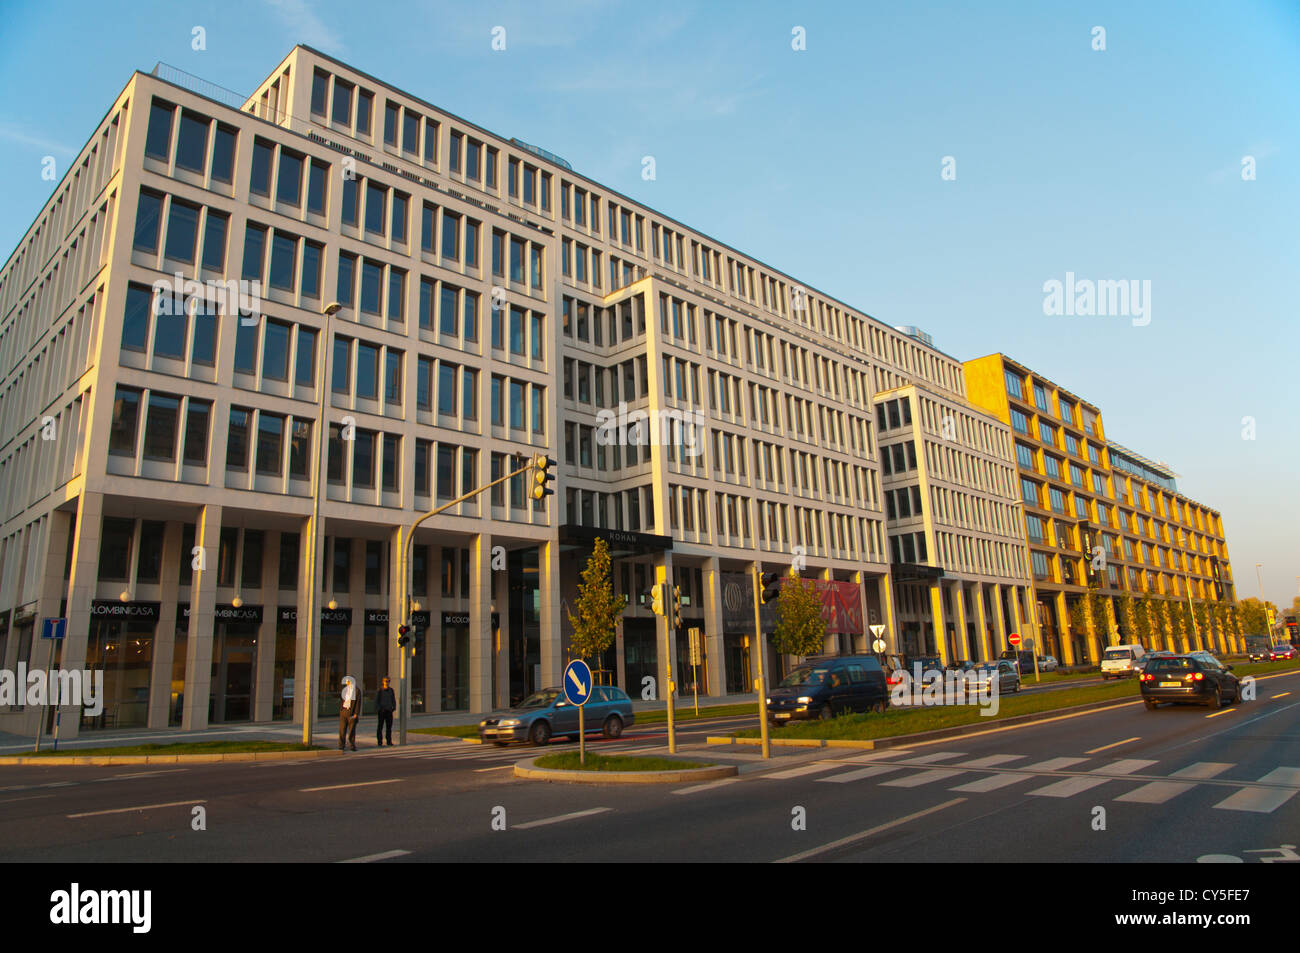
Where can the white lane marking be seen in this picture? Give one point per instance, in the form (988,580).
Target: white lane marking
(1265,800)
(142,807)
(991,761)
(863,835)
(936,756)
(706,786)
(995,781)
(355,784)
(923,777)
(562,817)
(802,770)
(1072,786)
(30,797)
(371,858)
(1158,792)
(139,774)
(499,767)
(871,756)
(868,772)
(1113,744)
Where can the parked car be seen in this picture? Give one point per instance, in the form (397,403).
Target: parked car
(1048,663)
(1197,678)
(1008,679)
(1023,658)
(1120,661)
(545,713)
(1284,651)
(894,669)
(829,687)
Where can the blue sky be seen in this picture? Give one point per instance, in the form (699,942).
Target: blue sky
(1116,164)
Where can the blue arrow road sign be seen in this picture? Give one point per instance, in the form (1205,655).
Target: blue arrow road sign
(54,628)
(577,682)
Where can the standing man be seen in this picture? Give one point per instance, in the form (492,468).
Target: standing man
(385,704)
(349,713)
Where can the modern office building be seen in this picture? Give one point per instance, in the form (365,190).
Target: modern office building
(166,340)
(1079,492)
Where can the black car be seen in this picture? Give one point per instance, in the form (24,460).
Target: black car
(1197,678)
(828,687)
(1024,658)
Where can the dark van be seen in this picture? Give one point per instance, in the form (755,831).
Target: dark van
(824,688)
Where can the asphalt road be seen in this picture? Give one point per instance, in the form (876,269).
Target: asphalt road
(1174,785)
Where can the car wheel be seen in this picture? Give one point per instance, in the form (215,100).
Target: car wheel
(1216,700)
(827,713)
(501,744)
(613,727)
(879,707)
(540,733)
(1151,706)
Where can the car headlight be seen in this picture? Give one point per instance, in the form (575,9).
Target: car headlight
(508,723)
(769,701)
(805,699)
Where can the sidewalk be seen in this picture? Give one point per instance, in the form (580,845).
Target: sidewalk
(325,733)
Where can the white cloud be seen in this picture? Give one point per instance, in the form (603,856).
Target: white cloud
(13,133)
(307,27)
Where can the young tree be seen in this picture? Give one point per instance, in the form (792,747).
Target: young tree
(1146,629)
(1251,613)
(598,608)
(800,628)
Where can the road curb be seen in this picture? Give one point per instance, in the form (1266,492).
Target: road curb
(526,769)
(120,759)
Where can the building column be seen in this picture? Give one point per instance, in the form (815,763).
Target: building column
(203,602)
(398,584)
(308,601)
(937,621)
(885,593)
(500,636)
(959,640)
(480,623)
(89,522)
(714,649)
(356,599)
(982,626)
(52,555)
(164,639)
(999,619)
(552,622)
(1063,627)
(264,657)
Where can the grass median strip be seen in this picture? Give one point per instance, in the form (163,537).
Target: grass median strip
(568,761)
(177,747)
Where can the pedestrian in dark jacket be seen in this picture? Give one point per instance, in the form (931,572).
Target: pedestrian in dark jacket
(385,704)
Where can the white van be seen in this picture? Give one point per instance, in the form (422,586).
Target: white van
(1121,660)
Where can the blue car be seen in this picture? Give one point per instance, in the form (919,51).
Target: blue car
(546,713)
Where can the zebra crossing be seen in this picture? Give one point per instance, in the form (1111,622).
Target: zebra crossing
(1060,777)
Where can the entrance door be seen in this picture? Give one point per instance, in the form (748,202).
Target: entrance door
(231,697)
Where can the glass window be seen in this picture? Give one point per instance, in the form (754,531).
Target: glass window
(260,181)
(350,193)
(182,231)
(430,141)
(469,311)
(396,294)
(170,328)
(204,349)
(196,433)
(135,319)
(363,458)
(316,187)
(446,472)
(390,123)
(275,351)
(393,376)
(305,360)
(410,132)
(237,440)
(319,91)
(161,429)
(469,393)
(270,443)
(447,388)
(299,449)
(223,154)
(192,142)
(214,240)
(364,100)
(246,344)
(372,274)
(450,235)
(392,457)
(148,217)
(347,278)
(284,254)
(342,371)
(126,415)
(289,185)
(398,231)
(516,330)
(447,310)
(311,261)
(367,371)
(342,112)
(376,196)
(254,252)
(158,139)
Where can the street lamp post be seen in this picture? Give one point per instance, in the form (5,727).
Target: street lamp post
(313,574)
(1263,605)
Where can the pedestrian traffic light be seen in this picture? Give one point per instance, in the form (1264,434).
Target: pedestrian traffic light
(657,598)
(403,635)
(542,476)
(677,607)
(771,587)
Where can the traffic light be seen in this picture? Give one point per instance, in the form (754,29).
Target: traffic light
(771,587)
(403,635)
(542,476)
(657,598)
(677,607)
